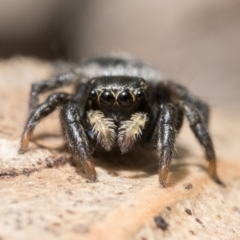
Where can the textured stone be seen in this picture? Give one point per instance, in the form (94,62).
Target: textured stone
(45,196)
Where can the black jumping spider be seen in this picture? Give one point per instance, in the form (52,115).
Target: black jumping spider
(121,102)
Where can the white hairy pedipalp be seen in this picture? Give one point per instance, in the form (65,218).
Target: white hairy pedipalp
(130,130)
(103,127)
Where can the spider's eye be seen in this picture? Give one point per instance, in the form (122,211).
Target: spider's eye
(125,99)
(139,95)
(92,94)
(107,99)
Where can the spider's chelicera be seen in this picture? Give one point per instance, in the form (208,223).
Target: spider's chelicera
(120,102)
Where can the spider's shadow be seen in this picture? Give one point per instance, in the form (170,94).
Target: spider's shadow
(141,162)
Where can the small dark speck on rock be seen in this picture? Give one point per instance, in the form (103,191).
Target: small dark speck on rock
(198,220)
(30,221)
(81,229)
(56,224)
(168,208)
(236,209)
(188,186)
(48,163)
(161,223)
(90,181)
(70,211)
(69,192)
(192,232)
(188,211)
(26,172)
(70,178)
(18,227)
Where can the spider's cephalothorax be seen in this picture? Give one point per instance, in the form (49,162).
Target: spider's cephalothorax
(118,111)
(119,102)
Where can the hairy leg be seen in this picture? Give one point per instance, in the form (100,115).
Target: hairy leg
(41,111)
(81,98)
(177,92)
(77,138)
(50,84)
(167,133)
(201,133)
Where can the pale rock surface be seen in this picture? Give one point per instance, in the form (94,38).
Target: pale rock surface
(43,195)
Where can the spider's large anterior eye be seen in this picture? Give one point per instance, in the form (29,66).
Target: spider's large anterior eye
(125,98)
(107,99)
(140,95)
(93,94)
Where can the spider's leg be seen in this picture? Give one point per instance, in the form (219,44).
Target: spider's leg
(200,130)
(50,84)
(81,97)
(177,91)
(76,137)
(167,133)
(41,111)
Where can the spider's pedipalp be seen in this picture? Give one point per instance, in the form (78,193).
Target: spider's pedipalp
(130,130)
(103,127)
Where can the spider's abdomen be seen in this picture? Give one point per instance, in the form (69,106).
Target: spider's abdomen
(119,66)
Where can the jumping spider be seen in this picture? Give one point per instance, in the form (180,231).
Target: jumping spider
(119,102)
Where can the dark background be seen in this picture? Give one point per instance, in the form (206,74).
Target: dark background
(196,43)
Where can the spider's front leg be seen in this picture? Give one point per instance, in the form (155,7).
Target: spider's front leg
(167,133)
(41,111)
(76,137)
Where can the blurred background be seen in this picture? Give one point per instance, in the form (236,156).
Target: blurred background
(196,43)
